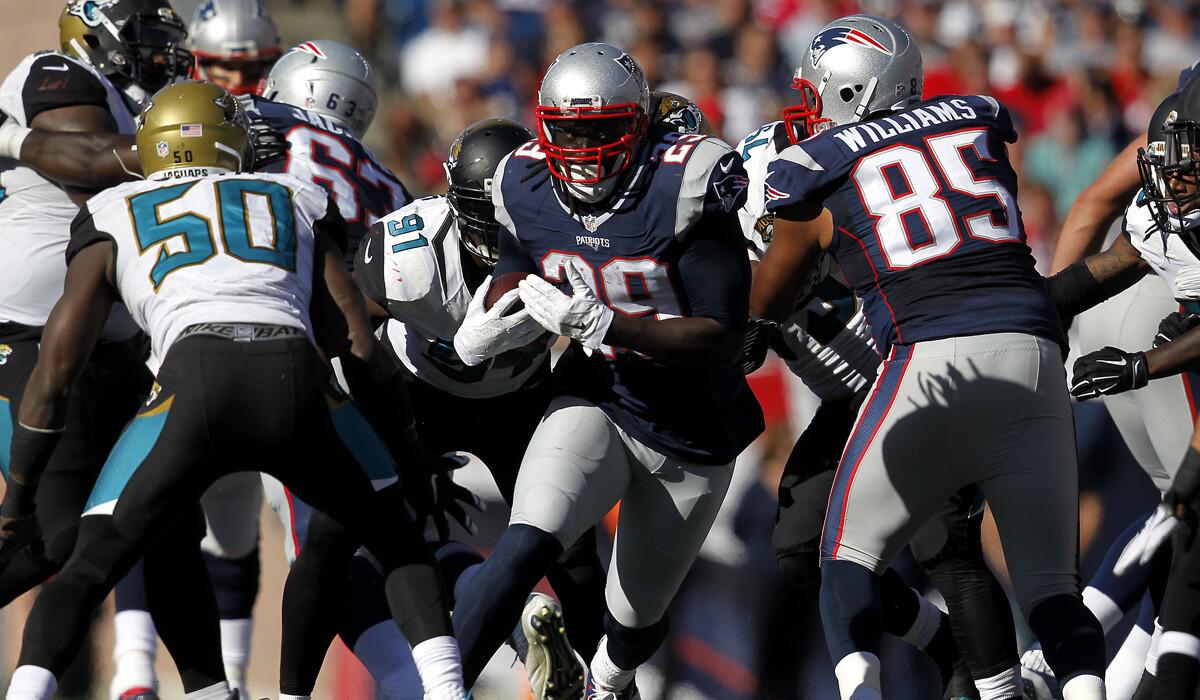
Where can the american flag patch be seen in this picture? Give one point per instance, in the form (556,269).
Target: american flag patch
(191,131)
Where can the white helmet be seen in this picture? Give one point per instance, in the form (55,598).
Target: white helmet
(855,66)
(593,107)
(326,77)
(234,31)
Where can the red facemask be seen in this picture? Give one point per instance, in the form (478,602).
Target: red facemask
(590,136)
(804,118)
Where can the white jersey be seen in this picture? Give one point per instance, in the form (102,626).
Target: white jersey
(412,264)
(185,256)
(832,349)
(36,213)
(1167,253)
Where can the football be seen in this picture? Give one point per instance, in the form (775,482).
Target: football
(500,286)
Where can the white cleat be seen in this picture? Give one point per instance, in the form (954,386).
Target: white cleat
(555,671)
(1037,676)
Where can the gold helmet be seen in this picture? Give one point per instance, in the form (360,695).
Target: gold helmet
(678,113)
(138,44)
(195,126)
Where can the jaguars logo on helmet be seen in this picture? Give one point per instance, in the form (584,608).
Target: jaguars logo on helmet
(679,113)
(91,12)
(5,351)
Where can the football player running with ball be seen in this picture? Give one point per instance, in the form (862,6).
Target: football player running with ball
(916,203)
(241,386)
(638,225)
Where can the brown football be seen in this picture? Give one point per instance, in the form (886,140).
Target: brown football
(501,285)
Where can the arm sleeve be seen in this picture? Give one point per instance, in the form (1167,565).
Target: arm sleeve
(55,82)
(715,272)
(84,233)
(513,257)
(368,270)
(331,223)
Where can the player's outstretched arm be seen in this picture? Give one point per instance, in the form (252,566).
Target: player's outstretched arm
(801,232)
(1088,282)
(70,334)
(74,146)
(1097,207)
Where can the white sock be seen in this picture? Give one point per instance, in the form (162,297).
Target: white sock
(1179,643)
(216,691)
(858,676)
(385,653)
(608,674)
(235,651)
(1152,655)
(1123,674)
(1085,687)
(929,618)
(440,667)
(1104,608)
(31,683)
(1002,686)
(135,643)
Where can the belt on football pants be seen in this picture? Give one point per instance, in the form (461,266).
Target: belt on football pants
(243,332)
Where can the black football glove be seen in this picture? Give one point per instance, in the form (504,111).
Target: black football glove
(1175,325)
(267,144)
(755,344)
(1108,371)
(447,497)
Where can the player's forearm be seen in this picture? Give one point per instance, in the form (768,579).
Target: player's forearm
(1174,357)
(89,160)
(701,342)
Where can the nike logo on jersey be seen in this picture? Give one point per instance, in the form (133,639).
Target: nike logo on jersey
(367,252)
(59,68)
(726,166)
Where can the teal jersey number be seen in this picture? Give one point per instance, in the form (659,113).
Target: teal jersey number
(235,212)
(151,230)
(197,230)
(408,230)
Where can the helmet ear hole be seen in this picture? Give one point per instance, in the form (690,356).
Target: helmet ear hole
(847,94)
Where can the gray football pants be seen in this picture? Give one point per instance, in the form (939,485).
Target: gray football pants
(992,410)
(579,464)
(1155,421)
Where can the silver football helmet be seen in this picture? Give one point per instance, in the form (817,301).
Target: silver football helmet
(855,66)
(235,42)
(326,77)
(593,107)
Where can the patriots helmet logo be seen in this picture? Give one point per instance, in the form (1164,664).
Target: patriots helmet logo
(837,36)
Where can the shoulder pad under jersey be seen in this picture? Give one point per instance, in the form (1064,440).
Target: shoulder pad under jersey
(49,80)
(398,253)
(714,182)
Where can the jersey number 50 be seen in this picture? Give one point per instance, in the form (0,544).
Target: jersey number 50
(920,198)
(233,200)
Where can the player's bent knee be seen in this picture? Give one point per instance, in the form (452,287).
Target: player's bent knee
(801,568)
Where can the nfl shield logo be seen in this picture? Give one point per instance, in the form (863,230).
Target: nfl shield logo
(161,148)
(590,223)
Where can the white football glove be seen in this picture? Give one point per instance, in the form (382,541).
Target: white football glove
(485,334)
(1187,282)
(12,135)
(1142,547)
(581,316)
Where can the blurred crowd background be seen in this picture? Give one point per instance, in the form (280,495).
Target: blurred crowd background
(1080,76)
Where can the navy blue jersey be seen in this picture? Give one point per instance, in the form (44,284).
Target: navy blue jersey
(324,152)
(926,225)
(667,244)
